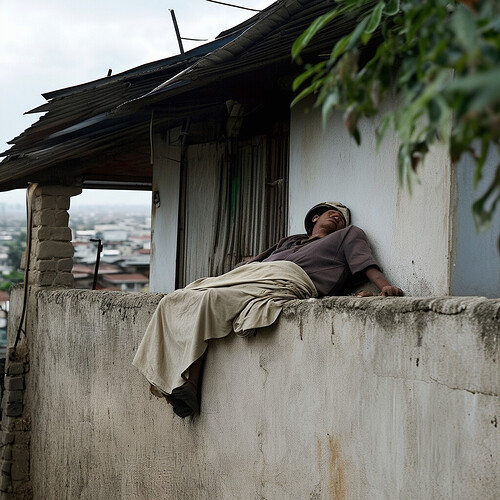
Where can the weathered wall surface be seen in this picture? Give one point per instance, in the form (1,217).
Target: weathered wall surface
(342,398)
(409,234)
(474,257)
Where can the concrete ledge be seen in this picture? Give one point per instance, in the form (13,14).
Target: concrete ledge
(342,398)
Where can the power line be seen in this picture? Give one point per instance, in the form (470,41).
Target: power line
(232,5)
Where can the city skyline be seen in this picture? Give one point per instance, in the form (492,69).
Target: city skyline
(89,197)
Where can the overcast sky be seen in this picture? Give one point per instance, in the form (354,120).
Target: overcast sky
(51,44)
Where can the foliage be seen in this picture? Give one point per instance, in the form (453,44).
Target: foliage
(7,280)
(440,57)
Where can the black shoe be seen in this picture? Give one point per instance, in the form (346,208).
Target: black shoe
(187,396)
(180,407)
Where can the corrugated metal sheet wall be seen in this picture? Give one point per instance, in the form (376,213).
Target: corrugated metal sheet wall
(236,203)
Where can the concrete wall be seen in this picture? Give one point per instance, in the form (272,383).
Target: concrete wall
(410,234)
(165,217)
(475,265)
(342,398)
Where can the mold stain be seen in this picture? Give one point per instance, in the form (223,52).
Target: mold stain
(318,447)
(337,472)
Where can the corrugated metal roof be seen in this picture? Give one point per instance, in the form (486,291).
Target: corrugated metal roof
(101,129)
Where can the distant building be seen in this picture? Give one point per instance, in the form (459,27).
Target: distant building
(4,261)
(4,311)
(138,263)
(84,273)
(124,282)
(112,233)
(84,235)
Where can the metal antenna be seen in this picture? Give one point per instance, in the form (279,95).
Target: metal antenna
(179,39)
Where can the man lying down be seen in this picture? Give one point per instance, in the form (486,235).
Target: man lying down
(322,262)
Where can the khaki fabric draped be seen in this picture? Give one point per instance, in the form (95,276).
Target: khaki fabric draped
(243,299)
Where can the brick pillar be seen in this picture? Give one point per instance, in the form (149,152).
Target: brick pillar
(51,258)
(50,265)
(16,425)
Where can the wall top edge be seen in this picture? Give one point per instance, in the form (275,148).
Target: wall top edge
(447,305)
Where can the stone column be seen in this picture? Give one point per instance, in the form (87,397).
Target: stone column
(50,264)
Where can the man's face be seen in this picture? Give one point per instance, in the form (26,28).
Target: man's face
(329,221)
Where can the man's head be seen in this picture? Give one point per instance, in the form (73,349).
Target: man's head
(318,210)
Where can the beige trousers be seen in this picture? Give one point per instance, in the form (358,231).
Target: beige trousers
(249,297)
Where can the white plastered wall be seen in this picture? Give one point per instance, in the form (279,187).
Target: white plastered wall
(410,234)
(475,265)
(165,218)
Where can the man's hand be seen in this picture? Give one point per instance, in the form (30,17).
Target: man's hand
(391,291)
(378,279)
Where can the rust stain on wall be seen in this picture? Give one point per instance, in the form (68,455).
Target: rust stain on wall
(337,471)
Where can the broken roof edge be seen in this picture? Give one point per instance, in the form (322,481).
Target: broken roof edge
(141,70)
(252,31)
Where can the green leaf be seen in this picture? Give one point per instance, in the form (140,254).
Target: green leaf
(357,136)
(307,91)
(319,23)
(484,208)
(464,26)
(307,74)
(478,173)
(434,110)
(374,19)
(445,121)
(382,128)
(340,47)
(391,8)
(347,42)
(483,86)
(475,81)
(494,24)
(404,166)
(356,34)
(331,101)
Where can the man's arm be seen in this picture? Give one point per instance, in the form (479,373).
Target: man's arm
(378,279)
